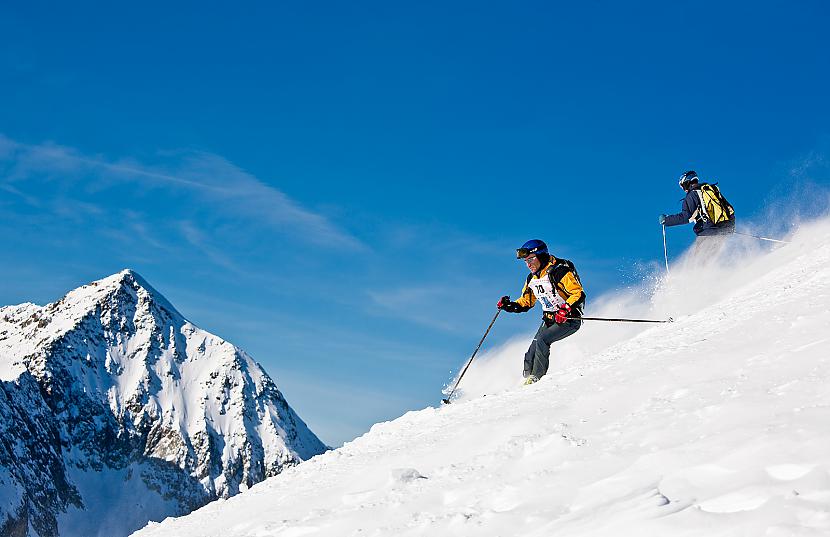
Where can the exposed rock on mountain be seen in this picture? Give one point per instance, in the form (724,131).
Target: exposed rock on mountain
(115,410)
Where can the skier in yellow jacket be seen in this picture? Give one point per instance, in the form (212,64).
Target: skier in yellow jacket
(555,284)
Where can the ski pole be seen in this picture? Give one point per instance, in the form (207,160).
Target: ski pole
(761,238)
(669,320)
(447,400)
(665,249)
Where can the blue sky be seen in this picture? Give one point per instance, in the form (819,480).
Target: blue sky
(338,187)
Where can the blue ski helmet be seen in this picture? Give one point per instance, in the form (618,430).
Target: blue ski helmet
(688,177)
(533,246)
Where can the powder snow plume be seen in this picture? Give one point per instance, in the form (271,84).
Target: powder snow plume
(697,279)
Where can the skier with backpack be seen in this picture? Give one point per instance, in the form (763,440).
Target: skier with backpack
(555,284)
(705,206)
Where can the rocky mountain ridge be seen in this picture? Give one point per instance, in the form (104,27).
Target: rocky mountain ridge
(115,410)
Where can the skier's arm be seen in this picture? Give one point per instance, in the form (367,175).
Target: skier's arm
(572,288)
(527,300)
(685,215)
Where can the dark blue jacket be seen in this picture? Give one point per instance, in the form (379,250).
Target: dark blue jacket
(690,207)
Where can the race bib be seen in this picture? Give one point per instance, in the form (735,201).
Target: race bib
(545,293)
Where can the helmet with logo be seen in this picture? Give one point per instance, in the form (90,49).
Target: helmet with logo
(687,178)
(533,246)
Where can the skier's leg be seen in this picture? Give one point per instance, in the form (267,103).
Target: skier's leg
(531,352)
(708,248)
(544,338)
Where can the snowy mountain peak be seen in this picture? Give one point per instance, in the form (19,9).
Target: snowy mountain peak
(126,289)
(122,387)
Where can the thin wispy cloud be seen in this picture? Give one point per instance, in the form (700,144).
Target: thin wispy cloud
(210,179)
(417,304)
(197,239)
(29,200)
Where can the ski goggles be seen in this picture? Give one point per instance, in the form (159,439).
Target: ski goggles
(687,178)
(522,253)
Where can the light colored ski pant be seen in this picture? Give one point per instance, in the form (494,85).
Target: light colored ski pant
(537,357)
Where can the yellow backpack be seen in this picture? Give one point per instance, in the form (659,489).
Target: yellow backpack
(715,207)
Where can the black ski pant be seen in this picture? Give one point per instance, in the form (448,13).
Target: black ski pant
(537,357)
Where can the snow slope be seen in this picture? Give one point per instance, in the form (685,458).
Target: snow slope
(714,425)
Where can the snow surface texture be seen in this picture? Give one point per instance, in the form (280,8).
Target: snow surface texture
(116,410)
(715,425)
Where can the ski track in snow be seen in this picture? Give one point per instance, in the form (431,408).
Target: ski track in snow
(714,425)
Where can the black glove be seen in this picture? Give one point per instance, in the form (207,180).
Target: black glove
(509,306)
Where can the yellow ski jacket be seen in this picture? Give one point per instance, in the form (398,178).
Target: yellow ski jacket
(555,284)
